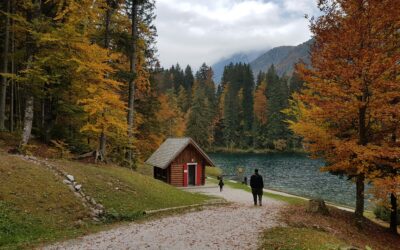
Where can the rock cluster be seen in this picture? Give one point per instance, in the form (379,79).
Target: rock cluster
(97,210)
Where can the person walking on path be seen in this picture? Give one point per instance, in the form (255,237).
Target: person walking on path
(221,184)
(257,185)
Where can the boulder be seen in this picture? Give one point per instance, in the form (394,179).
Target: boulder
(33,158)
(78,187)
(67,182)
(93,201)
(70,178)
(317,206)
(100,207)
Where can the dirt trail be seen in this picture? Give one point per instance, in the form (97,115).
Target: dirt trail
(234,226)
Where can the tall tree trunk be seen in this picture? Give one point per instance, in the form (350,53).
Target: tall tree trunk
(30,51)
(19,106)
(101,152)
(12,104)
(5,70)
(360,178)
(43,113)
(102,138)
(131,98)
(393,213)
(360,196)
(28,119)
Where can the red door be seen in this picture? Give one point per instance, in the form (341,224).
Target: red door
(185,175)
(199,175)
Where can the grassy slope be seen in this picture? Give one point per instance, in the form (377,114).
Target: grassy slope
(125,192)
(36,207)
(34,204)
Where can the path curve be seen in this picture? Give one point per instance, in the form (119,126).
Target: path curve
(234,226)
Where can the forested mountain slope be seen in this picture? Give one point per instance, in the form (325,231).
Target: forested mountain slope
(283,58)
(273,56)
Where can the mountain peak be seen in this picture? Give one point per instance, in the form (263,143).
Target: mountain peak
(283,57)
(241,57)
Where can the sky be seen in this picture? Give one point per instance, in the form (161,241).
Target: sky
(197,31)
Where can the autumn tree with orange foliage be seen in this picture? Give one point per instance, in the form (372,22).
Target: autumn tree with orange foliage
(260,104)
(349,112)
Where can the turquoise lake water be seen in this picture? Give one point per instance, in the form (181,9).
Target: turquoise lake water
(292,173)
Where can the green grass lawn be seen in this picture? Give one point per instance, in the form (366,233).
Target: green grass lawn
(285,238)
(124,193)
(35,205)
(37,208)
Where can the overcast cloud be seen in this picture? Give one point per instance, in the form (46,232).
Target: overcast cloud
(197,31)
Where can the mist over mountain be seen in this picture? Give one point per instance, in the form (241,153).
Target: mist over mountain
(284,58)
(219,66)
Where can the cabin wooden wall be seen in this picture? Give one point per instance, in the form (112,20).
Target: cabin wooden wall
(188,155)
(176,175)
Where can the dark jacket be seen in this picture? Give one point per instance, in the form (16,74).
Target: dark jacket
(256,181)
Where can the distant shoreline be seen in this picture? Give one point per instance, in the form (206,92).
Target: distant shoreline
(253,151)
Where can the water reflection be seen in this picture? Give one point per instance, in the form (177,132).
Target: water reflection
(292,173)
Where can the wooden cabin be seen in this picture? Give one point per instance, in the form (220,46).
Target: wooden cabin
(180,162)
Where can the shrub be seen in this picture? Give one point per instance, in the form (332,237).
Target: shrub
(383,213)
(213,171)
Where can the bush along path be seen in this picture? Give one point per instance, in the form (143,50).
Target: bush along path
(97,210)
(234,226)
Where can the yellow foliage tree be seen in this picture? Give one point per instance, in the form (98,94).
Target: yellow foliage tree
(106,112)
(260,103)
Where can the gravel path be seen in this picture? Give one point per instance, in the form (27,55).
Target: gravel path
(235,226)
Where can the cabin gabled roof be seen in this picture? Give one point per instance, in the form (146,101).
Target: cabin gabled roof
(170,149)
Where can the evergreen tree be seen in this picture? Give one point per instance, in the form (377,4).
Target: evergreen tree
(277,95)
(199,124)
(188,79)
(260,78)
(230,116)
(183,99)
(248,105)
(238,98)
(203,112)
(178,77)
(295,83)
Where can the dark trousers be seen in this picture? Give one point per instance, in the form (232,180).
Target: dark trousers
(257,192)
